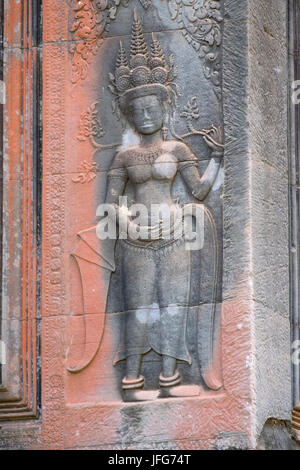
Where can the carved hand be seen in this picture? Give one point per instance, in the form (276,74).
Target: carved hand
(214,140)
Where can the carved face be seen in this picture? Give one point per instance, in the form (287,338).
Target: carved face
(146,114)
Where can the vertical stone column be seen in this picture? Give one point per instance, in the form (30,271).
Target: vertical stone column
(256,209)
(19,134)
(294,24)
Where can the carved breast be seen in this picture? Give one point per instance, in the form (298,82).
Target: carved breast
(164,167)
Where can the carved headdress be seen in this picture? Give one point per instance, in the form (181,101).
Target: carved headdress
(145,73)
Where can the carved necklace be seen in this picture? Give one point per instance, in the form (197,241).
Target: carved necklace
(147,156)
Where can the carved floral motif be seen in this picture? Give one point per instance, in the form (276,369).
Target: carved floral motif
(202,21)
(191,110)
(92,20)
(90,124)
(191,113)
(90,129)
(88,172)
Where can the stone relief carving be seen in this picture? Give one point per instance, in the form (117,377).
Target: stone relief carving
(56,195)
(90,126)
(146,3)
(201,21)
(191,112)
(154,253)
(88,172)
(91,21)
(128,75)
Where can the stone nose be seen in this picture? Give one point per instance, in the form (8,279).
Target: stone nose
(146,114)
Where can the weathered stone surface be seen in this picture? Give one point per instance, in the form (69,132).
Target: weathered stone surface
(277,435)
(18,317)
(257,165)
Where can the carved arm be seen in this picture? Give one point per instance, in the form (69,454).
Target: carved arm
(201,185)
(115,189)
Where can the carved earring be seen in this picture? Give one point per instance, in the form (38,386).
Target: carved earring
(164,132)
